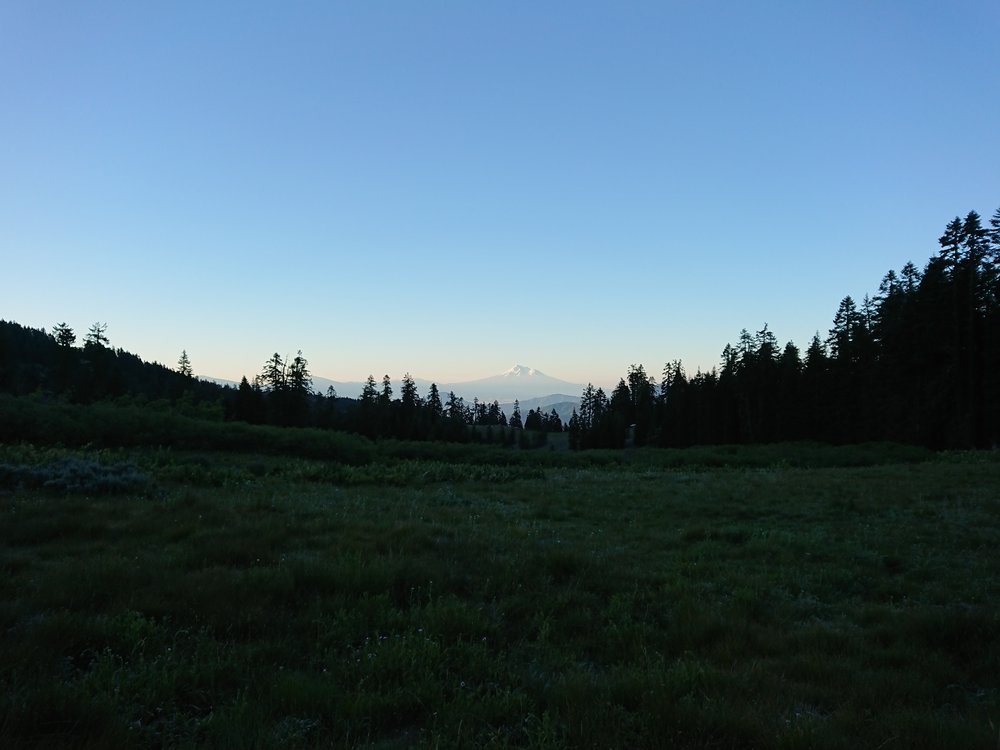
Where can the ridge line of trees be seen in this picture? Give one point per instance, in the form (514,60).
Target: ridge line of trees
(917,363)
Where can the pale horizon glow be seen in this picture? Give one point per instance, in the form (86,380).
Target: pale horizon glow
(448,189)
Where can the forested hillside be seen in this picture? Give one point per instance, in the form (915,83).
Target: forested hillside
(917,362)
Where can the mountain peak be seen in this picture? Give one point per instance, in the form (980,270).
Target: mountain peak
(518,371)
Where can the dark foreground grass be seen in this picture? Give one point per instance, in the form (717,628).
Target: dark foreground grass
(258,602)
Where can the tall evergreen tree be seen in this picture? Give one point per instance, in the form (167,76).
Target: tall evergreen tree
(385,397)
(515,417)
(994,232)
(621,401)
(495,415)
(975,240)
(455,409)
(816,358)
(533,421)
(369,393)
(408,394)
(642,393)
(184,364)
(299,378)
(574,431)
(273,376)
(911,278)
(434,406)
(951,243)
(844,332)
(97,336)
(64,335)
(585,418)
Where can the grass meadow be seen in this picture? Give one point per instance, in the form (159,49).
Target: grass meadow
(719,598)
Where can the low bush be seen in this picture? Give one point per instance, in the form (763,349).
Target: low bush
(74,475)
(109,425)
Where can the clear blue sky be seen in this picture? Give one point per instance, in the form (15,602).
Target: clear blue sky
(448,188)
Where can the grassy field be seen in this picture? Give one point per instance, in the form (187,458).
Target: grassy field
(723,598)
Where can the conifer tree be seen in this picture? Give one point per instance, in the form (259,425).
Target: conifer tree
(515,417)
(534,420)
(64,335)
(815,354)
(299,379)
(369,393)
(911,278)
(385,397)
(553,423)
(434,406)
(97,336)
(408,394)
(585,419)
(574,431)
(455,409)
(951,242)
(844,332)
(273,376)
(184,364)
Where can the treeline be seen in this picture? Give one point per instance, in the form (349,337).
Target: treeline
(917,363)
(33,361)
(282,394)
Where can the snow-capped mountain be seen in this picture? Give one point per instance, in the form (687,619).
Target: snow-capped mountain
(519,382)
(522,371)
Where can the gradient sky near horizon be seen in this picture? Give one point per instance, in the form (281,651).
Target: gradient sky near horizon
(448,188)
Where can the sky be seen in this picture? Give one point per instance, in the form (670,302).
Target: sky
(450,188)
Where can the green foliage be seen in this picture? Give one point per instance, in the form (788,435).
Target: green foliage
(443,602)
(74,475)
(237,471)
(104,424)
(184,364)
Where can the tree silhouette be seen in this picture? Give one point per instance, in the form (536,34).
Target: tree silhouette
(455,409)
(434,407)
(97,336)
(515,417)
(408,394)
(64,335)
(369,393)
(249,404)
(184,364)
(292,402)
(273,376)
(299,379)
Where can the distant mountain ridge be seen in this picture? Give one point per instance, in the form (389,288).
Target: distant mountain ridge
(530,386)
(519,382)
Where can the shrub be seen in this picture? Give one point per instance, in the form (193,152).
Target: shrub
(74,475)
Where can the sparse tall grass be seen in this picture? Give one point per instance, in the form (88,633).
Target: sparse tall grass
(247,600)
